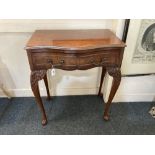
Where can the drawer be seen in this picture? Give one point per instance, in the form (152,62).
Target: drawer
(99,59)
(47,60)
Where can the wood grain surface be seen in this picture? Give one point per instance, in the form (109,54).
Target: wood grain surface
(73,39)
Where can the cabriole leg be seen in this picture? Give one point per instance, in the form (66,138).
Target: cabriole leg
(116,74)
(35,77)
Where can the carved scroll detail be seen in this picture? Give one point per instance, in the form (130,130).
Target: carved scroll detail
(35,77)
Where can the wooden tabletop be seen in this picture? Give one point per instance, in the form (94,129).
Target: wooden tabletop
(73,39)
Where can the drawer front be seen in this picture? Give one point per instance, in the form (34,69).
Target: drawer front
(99,59)
(49,60)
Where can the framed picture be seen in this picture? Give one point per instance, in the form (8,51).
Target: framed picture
(139,55)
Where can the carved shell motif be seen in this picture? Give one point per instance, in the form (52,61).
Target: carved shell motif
(36,76)
(114,72)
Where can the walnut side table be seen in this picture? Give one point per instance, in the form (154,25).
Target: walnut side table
(74,50)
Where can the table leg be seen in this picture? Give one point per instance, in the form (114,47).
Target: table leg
(101,81)
(35,77)
(116,74)
(46,85)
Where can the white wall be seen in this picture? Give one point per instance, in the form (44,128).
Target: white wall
(14,67)
(30,25)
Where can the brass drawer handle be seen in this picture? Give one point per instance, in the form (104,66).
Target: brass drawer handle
(103,60)
(50,61)
(56,65)
(94,63)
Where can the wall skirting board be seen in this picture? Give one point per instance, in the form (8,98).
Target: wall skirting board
(88,91)
(132,89)
(53,92)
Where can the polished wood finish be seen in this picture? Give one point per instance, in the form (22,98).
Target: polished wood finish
(74,50)
(73,39)
(116,74)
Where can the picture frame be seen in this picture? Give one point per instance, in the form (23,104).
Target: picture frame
(145,63)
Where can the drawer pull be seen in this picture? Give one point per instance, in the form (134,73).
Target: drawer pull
(50,61)
(103,61)
(55,65)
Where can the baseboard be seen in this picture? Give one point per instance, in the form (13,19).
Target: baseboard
(148,97)
(143,97)
(55,92)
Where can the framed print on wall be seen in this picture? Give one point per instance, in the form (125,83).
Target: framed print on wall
(139,55)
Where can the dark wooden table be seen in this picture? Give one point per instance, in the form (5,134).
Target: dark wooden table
(74,50)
